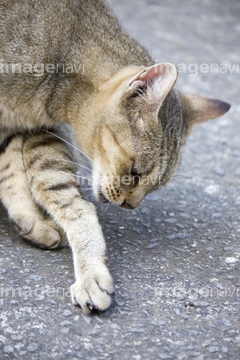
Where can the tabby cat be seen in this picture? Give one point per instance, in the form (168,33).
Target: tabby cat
(125,115)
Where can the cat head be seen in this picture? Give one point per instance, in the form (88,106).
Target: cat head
(141,126)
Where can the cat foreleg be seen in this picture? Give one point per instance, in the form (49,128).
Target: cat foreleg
(53,185)
(94,284)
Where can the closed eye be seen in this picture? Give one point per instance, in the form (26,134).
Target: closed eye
(136,176)
(134,172)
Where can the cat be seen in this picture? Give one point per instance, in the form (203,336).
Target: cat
(126,116)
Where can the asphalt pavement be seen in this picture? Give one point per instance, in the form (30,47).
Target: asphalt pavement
(176,259)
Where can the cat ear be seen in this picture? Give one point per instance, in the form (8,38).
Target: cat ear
(156,82)
(197,109)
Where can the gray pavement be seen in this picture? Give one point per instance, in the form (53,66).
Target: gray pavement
(175,260)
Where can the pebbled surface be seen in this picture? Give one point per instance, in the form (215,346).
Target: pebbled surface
(176,260)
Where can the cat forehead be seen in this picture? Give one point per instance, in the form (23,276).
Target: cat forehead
(146,135)
(147,150)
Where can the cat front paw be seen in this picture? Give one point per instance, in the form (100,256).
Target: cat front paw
(93,289)
(44,234)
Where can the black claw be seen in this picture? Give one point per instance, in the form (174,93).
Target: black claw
(92,307)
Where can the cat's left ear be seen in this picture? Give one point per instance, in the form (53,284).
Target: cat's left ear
(155,82)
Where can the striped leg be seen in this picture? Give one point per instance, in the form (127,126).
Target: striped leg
(53,185)
(15,195)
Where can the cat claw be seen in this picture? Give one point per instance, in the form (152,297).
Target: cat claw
(93,308)
(88,293)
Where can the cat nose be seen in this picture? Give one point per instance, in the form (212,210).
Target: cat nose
(126,205)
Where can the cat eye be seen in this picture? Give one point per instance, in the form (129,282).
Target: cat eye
(134,173)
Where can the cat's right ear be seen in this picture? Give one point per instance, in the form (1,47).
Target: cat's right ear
(155,83)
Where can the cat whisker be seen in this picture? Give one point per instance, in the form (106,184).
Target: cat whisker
(83,178)
(188,179)
(170,185)
(172,182)
(83,167)
(77,176)
(72,162)
(188,176)
(67,142)
(140,215)
(179,177)
(81,159)
(80,176)
(182,174)
(124,214)
(106,207)
(88,196)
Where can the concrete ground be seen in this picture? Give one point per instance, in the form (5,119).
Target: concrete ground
(175,260)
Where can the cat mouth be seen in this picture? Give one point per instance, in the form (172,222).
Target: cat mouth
(104,200)
(126,205)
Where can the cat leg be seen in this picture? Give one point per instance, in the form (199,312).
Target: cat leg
(16,197)
(53,184)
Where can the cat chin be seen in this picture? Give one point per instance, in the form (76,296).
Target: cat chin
(127,206)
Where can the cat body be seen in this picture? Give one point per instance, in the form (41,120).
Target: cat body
(46,33)
(125,114)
